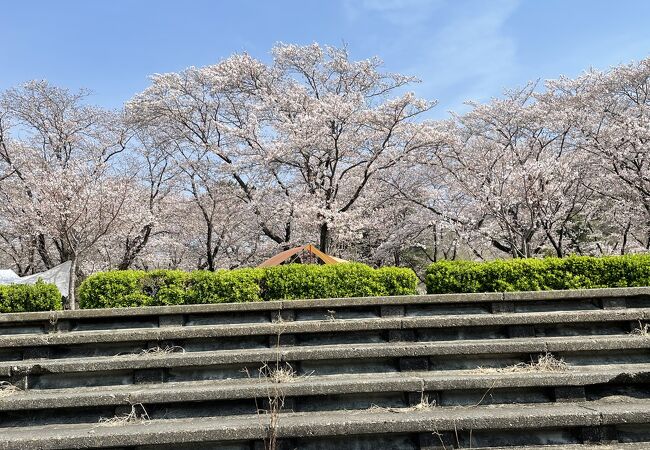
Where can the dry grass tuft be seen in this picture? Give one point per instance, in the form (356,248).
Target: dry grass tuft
(6,388)
(138,414)
(425,404)
(643,330)
(280,373)
(546,362)
(156,351)
(159,350)
(377,408)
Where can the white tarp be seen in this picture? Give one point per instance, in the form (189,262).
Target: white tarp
(7,276)
(58,275)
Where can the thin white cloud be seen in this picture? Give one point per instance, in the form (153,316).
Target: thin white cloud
(397,12)
(459,53)
(474,50)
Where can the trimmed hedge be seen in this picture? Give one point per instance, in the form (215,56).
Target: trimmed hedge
(124,288)
(397,280)
(341,280)
(29,297)
(574,272)
(173,287)
(225,286)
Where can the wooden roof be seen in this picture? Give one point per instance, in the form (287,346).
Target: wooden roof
(285,255)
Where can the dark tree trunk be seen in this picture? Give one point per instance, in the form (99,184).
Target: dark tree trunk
(71,302)
(324,238)
(41,247)
(134,247)
(208,249)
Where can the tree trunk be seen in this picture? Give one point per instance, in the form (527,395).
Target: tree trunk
(133,248)
(435,243)
(324,238)
(557,244)
(208,248)
(72,281)
(41,247)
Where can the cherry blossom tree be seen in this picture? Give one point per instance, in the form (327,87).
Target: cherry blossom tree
(525,180)
(202,118)
(222,166)
(340,128)
(611,114)
(63,187)
(304,138)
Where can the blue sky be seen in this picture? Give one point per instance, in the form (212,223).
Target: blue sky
(461,50)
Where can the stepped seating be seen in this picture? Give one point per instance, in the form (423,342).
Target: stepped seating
(564,369)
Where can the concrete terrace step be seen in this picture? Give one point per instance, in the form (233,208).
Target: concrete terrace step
(617,446)
(322,360)
(336,331)
(481,426)
(326,393)
(370,307)
(360,374)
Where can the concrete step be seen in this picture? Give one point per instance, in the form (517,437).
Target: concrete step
(315,332)
(411,372)
(322,360)
(370,307)
(326,393)
(619,445)
(468,427)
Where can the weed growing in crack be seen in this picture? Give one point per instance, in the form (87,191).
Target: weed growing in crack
(6,388)
(545,362)
(273,377)
(53,319)
(377,408)
(643,330)
(156,351)
(447,439)
(159,350)
(138,414)
(278,374)
(425,404)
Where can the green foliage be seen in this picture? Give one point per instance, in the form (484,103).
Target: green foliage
(164,287)
(225,286)
(172,287)
(26,297)
(397,280)
(113,290)
(574,272)
(133,288)
(294,281)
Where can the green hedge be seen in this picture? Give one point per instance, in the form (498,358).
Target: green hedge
(29,297)
(125,288)
(173,287)
(574,272)
(341,280)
